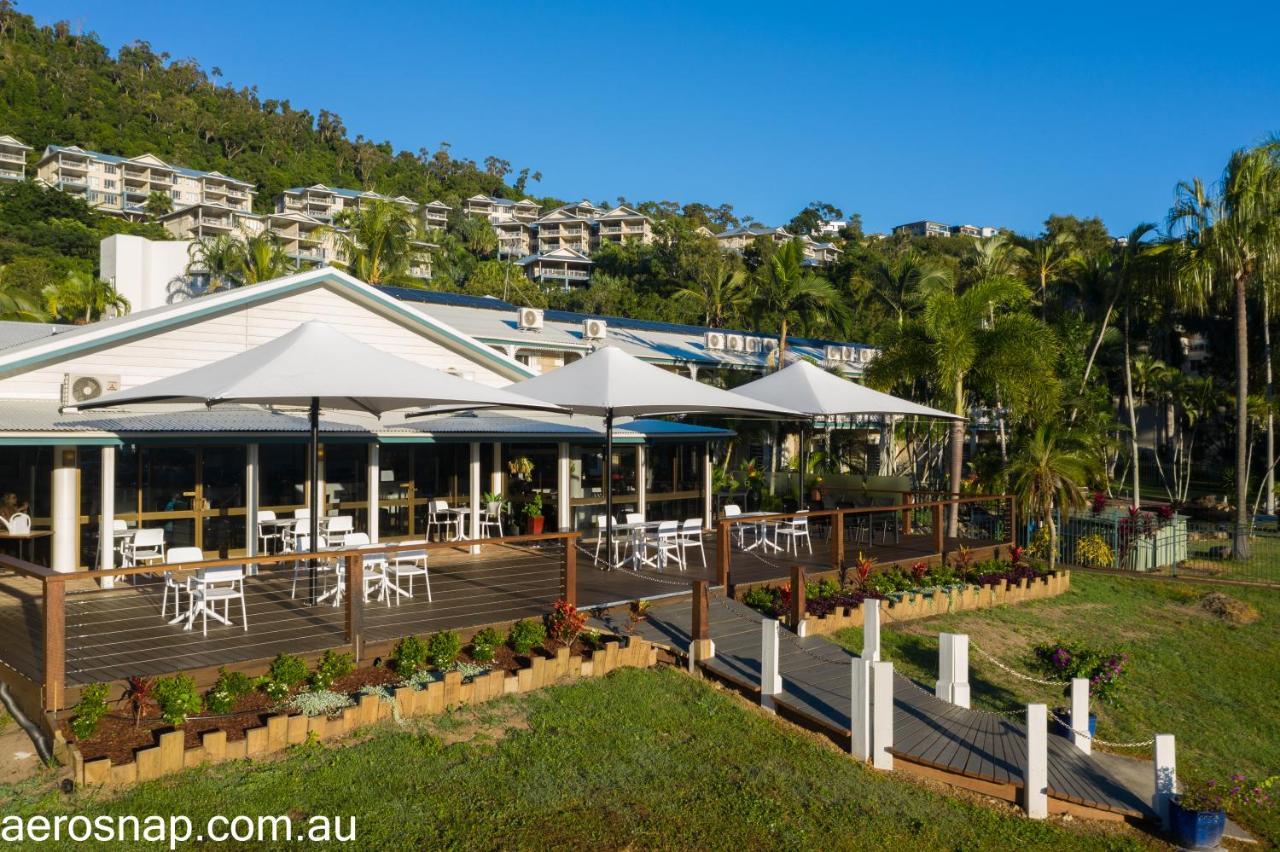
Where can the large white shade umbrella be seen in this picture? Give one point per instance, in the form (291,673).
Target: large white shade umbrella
(816,393)
(610,382)
(316,366)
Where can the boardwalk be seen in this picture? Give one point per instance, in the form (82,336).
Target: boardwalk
(972,744)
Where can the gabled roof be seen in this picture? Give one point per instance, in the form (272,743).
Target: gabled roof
(14,142)
(752,231)
(83,339)
(560,214)
(561,254)
(295,216)
(141,159)
(624,212)
(438,205)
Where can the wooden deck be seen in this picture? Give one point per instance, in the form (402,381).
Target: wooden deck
(928,732)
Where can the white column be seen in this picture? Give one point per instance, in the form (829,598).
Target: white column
(871,629)
(881,715)
(953,668)
(495,475)
(1036,772)
(693,372)
(475,493)
(770,676)
(860,709)
(1080,714)
(107,500)
(564,512)
(374,482)
(251,499)
(642,487)
(707,505)
(1166,777)
(66,510)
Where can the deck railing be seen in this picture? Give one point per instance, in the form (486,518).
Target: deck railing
(71,634)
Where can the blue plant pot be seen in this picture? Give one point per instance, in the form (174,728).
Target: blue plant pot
(1061,729)
(1197,829)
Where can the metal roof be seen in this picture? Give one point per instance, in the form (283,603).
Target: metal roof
(13,333)
(120,160)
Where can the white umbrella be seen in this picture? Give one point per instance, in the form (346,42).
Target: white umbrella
(611,382)
(809,389)
(315,366)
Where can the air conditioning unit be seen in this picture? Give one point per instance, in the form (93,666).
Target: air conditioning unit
(755,345)
(834,354)
(594,329)
(770,344)
(713,341)
(735,343)
(80,388)
(866,355)
(530,319)
(848,353)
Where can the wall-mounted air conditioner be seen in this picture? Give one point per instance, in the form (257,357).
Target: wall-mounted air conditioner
(735,343)
(866,355)
(594,329)
(530,319)
(82,388)
(755,345)
(713,341)
(833,354)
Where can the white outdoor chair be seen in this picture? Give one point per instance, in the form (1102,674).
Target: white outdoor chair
(297,540)
(19,523)
(690,538)
(438,517)
(733,510)
(408,563)
(303,514)
(334,530)
(177,556)
(667,543)
(491,519)
(619,541)
(635,517)
(210,586)
(375,566)
(266,535)
(791,531)
(146,547)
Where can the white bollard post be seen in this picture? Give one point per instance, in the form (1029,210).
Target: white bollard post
(1166,777)
(860,709)
(881,715)
(1080,714)
(953,669)
(871,630)
(770,677)
(1035,775)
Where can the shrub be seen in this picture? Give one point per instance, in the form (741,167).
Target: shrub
(140,695)
(288,670)
(765,599)
(566,622)
(226,690)
(178,698)
(409,656)
(1093,551)
(1071,660)
(89,710)
(443,649)
(484,644)
(526,634)
(1228,795)
(332,666)
(320,702)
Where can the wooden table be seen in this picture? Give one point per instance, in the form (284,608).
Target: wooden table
(25,538)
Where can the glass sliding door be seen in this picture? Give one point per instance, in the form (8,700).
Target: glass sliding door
(674,481)
(586,483)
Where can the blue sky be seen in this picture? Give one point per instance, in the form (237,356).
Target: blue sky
(963,113)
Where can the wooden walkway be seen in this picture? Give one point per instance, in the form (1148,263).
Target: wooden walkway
(929,732)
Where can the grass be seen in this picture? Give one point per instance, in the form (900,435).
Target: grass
(641,759)
(1212,684)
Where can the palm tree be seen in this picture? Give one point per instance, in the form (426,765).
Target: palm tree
(1046,259)
(82,298)
(262,259)
(962,344)
(787,293)
(16,305)
(220,258)
(719,291)
(894,280)
(1051,471)
(1225,242)
(377,241)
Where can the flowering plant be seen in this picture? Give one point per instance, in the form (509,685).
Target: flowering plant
(1072,660)
(1227,795)
(565,622)
(1099,502)
(919,570)
(862,570)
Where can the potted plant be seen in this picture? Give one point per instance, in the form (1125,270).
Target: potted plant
(815,490)
(532,510)
(1198,814)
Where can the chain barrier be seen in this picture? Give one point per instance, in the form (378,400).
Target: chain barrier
(1018,674)
(1067,725)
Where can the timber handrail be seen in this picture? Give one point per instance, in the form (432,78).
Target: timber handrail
(27,569)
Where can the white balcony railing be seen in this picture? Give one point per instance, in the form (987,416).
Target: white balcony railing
(7,157)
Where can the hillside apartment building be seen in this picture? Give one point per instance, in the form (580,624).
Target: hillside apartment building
(13,159)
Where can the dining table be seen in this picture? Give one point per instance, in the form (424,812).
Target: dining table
(636,532)
(762,526)
(26,539)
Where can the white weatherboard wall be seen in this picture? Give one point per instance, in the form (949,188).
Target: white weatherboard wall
(204,341)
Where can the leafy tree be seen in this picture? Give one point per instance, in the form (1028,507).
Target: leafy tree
(788,294)
(16,305)
(377,242)
(1050,472)
(219,259)
(718,291)
(82,298)
(896,279)
(1046,259)
(262,258)
(158,204)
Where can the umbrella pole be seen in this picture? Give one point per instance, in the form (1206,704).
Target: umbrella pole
(315,494)
(608,488)
(804,466)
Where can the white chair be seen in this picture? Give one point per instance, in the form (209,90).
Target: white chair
(792,531)
(635,517)
(491,518)
(733,510)
(375,567)
(303,514)
(178,585)
(266,534)
(210,586)
(619,541)
(438,517)
(19,523)
(297,540)
(333,531)
(408,563)
(667,543)
(146,547)
(690,538)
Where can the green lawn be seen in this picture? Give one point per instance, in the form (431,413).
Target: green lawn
(1214,685)
(642,759)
